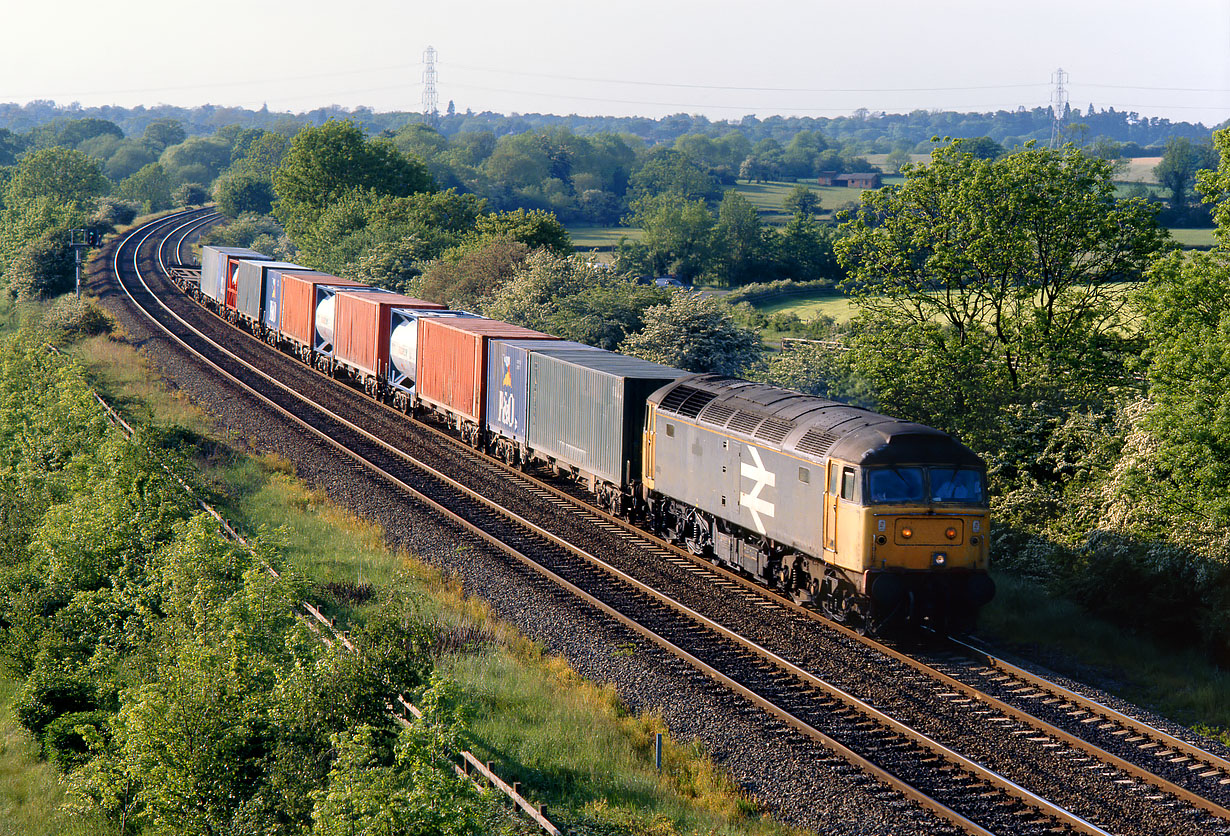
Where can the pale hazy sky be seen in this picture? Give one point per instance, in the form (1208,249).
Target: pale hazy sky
(636,57)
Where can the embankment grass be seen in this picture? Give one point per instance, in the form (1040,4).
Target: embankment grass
(1177,682)
(31,795)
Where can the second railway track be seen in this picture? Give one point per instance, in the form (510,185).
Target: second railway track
(987,767)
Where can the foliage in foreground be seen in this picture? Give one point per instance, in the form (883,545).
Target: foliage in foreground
(164,669)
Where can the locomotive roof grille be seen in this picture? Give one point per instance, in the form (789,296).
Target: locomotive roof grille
(695,402)
(745,422)
(717,413)
(815,442)
(675,398)
(774,430)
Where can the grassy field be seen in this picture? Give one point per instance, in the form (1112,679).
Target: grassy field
(601,238)
(31,795)
(840,308)
(1201,239)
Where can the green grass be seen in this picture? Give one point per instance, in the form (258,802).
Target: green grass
(601,238)
(1181,684)
(809,306)
(770,198)
(31,795)
(1194,238)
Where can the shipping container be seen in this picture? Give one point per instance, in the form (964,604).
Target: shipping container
(361,328)
(508,381)
(587,408)
(404,344)
(452,374)
(272,316)
(298,321)
(214,268)
(250,277)
(324,340)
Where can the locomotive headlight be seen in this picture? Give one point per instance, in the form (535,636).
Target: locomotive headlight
(907,533)
(950,533)
(939,558)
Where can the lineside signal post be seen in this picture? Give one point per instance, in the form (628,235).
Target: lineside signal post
(79,240)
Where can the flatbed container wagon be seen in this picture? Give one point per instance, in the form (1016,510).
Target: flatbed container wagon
(361,331)
(452,368)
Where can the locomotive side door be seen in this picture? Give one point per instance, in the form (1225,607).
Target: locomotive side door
(647,456)
(832,488)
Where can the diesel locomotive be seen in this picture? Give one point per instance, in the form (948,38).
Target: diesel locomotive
(876,521)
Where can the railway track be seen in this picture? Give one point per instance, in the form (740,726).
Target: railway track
(782,678)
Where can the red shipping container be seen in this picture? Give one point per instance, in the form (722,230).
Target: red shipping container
(299,303)
(361,328)
(452,365)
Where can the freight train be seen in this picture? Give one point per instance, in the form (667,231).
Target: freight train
(878,522)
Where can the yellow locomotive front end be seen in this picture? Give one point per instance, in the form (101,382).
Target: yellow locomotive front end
(910,540)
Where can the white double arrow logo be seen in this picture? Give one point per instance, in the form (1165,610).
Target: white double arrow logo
(763,478)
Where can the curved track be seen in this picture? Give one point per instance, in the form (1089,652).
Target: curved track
(771,673)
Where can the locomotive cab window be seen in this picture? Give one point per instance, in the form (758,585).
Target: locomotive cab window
(847,483)
(896,484)
(950,484)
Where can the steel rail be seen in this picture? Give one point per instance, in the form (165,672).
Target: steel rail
(845,752)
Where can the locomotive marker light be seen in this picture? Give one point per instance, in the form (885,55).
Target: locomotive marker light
(939,558)
(907,533)
(762,477)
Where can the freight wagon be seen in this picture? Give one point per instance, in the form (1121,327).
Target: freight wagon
(452,369)
(216,266)
(361,332)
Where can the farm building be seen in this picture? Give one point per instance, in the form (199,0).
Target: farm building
(857,180)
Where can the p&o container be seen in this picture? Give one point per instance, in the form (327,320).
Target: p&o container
(508,382)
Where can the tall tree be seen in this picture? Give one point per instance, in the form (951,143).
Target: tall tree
(325,163)
(1017,255)
(1177,169)
(696,333)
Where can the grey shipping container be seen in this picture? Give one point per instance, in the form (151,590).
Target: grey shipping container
(587,409)
(213,268)
(250,278)
(508,382)
(271,310)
